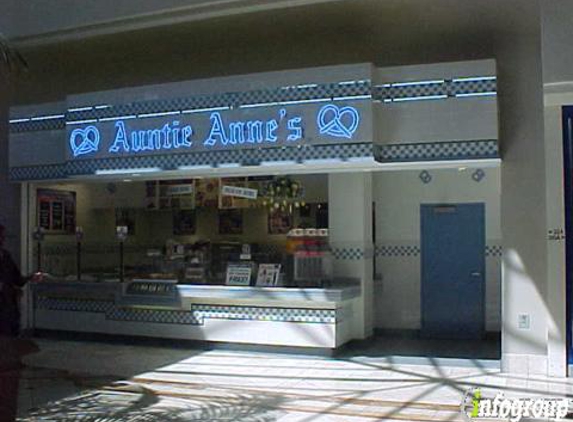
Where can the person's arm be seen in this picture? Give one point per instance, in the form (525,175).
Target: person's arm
(15,274)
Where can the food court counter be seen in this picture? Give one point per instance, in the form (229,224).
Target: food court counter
(274,316)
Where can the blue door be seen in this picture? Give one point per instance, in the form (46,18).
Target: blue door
(453,270)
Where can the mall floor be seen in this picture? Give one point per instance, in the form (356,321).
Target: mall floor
(73,380)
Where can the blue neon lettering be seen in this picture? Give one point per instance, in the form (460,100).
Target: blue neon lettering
(120,139)
(145,140)
(155,138)
(237,133)
(135,144)
(175,132)
(271,129)
(295,125)
(151,139)
(217,131)
(255,131)
(186,136)
(166,130)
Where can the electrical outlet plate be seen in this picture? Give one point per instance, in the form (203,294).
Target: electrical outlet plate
(523,321)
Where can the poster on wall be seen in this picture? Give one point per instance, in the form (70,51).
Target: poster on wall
(279,222)
(230,221)
(184,222)
(207,193)
(56,211)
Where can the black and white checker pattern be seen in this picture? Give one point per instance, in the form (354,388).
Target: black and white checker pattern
(229,99)
(214,158)
(397,250)
(152,316)
(448,88)
(473,87)
(43,172)
(254,313)
(196,316)
(348,253)
(492,251)
(388,92)
(436,151)
(38,125)
(77,305)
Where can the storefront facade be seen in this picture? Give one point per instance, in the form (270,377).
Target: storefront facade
(524,218)
(337,129)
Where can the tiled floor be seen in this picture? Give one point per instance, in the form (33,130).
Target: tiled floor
(96,381)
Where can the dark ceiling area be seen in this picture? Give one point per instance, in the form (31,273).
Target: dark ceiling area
(386,33)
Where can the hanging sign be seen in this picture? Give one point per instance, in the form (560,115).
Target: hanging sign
(239,192)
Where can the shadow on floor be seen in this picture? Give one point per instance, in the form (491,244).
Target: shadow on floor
(411,344)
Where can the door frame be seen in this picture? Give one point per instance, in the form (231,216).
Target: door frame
(567,121)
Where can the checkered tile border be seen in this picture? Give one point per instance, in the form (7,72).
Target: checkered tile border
(392,251)
(196,316)
(397,250)
(252,313)
(448,88)
(387,92)
(437,151)
(77,305)
(349,253)
(37,126)
(244,157)
(231,99)
(493,251)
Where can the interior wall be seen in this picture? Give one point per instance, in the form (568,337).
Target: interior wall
(398,196)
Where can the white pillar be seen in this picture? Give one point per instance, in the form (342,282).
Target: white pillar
(523,199)
(350,224)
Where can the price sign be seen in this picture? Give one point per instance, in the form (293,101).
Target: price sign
(239,274)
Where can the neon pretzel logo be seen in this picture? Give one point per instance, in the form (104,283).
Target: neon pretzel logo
(84,141)
(338,122)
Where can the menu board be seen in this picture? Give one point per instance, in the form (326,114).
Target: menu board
(56,211)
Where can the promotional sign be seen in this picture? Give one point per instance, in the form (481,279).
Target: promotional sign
(258,126)
(239,274)
(239,192)
(268,275)
(56,211)
(176,190)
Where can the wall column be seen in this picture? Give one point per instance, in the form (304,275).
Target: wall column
(350,224)
(523,199)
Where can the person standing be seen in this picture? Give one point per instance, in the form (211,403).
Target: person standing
(11,348)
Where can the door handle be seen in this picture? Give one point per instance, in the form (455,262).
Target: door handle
(476,274)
